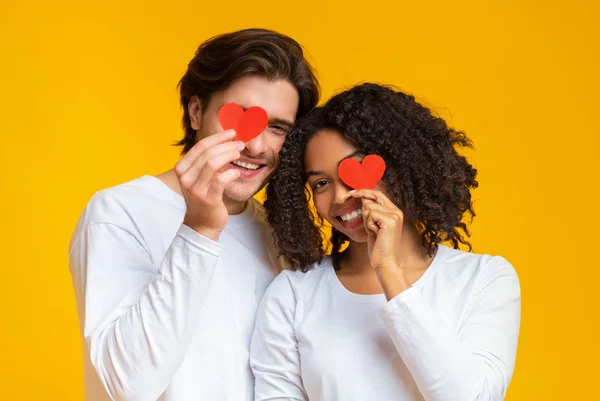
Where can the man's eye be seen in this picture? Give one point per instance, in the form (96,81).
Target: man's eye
(280,129)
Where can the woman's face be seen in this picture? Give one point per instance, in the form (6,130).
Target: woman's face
(322,156)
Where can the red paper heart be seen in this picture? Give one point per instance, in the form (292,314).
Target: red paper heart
(247,124)
(362,176)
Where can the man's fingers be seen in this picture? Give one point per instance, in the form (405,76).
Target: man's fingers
(196,169)
(200,147)
(221,181)
(214,151)
(214,166)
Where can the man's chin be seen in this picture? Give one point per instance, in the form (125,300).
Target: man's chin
(237,196)
(242,190)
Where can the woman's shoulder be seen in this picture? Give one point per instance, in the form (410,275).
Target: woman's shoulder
(298,279)
(476,261)
(459,265)
(311,273)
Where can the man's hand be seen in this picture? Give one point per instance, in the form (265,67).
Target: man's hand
(202,180)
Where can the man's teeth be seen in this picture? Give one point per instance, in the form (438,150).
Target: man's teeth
(248,166)
(352,216)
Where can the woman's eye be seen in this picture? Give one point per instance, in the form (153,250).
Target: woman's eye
(319,184)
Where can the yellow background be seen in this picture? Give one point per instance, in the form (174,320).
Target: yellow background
(88,100)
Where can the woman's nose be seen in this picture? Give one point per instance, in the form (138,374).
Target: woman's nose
(341,190)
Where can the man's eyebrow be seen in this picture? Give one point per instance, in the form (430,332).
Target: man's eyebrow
(276,120)
(281,121)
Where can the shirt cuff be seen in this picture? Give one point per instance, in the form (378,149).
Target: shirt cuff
(199,241)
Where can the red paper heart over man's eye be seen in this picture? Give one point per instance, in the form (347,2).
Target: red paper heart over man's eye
(362,176)
(247,124)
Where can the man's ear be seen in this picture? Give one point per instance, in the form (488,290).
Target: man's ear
(195,112)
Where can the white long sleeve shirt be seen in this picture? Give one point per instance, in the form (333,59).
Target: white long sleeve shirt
(165,313)
(452,336)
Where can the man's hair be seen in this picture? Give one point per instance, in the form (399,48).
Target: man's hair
(224,58)
(425,176)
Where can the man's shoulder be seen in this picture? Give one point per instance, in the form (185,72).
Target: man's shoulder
(260,215)
(118,204)
(263,231)
(114,200)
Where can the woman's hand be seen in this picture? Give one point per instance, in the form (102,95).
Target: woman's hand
(383,222)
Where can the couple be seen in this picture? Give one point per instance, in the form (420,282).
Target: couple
(188,289)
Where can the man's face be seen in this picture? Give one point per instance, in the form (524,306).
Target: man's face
(260,158)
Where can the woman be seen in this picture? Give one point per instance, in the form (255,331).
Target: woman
(396,315)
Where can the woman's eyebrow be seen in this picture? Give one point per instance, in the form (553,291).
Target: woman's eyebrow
(357,153)
(311,173)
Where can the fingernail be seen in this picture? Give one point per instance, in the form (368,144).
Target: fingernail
(240,144)
(230,132)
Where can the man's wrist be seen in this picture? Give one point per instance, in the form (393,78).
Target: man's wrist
(209,233)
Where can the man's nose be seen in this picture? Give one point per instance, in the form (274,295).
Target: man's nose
(256,146)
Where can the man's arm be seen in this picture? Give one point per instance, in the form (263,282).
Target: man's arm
(138,321)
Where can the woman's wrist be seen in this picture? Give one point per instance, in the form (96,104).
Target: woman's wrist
(393,280)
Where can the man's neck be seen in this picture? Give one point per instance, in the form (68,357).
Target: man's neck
(234,207)
(169,178)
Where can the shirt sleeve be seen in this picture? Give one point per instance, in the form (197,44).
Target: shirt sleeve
(138,320)
(274,356)
(473,363)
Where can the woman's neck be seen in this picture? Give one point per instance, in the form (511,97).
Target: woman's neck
(414,258)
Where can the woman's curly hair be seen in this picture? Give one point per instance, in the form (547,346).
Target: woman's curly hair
(425,175)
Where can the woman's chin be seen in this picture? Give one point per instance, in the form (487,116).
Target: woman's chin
(356,235)
(359,237)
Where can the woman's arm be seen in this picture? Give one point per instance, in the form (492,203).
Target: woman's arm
(274,356)
(474,363)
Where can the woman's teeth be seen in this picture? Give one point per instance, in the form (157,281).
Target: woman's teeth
(352,216)
(248,166)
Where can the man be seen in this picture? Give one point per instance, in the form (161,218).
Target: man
(168,270)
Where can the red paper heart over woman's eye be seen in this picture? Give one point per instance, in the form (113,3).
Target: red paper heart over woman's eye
(362,176)
(247,124)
